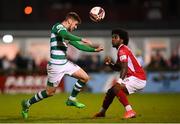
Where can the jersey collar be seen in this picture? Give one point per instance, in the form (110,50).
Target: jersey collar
(120,46)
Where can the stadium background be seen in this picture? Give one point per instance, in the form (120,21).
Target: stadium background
(153,26)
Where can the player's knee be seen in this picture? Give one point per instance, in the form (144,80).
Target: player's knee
(86,78)
(116,88)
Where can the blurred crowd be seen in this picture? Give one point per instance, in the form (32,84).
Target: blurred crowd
(90,63)
(158,62)
(21,65)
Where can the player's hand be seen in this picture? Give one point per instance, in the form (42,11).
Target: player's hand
(107,60)
(86,41)
(99,49)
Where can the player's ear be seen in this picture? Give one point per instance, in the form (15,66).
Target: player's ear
(69,21)
(122,41)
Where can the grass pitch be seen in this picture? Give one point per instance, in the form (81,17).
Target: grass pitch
(149,107)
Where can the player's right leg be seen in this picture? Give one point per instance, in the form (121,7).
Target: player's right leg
(131,85)
(82,77)
(25,104)
(122,90)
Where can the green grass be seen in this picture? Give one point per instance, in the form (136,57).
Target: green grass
(149,107)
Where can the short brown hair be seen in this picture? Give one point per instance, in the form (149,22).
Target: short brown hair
(74,16)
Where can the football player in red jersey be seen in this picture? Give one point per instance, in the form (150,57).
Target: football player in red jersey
(132,76)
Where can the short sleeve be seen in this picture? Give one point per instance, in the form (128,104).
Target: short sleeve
(122,56)
(57,28)
(60,28)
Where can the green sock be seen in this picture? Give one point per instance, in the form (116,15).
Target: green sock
(37,97)
(77,88)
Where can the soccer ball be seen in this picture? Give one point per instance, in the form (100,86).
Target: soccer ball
(97,14)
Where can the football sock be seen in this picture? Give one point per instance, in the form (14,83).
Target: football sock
(122,98)
(128,107)
(37,97)
(77,88)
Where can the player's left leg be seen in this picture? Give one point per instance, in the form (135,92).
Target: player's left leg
(83,78)
(36,98)
(121,93)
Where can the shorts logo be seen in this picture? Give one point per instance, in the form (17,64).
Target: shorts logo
(126,80)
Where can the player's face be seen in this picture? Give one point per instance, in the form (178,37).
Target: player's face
(73,25)
(116,40)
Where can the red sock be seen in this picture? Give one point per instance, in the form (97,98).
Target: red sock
(122,98)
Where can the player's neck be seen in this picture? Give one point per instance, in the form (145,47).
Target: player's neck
(65,24)
(119,46)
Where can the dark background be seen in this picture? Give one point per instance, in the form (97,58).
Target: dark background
(131,14)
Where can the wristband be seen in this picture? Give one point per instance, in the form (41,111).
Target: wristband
(112,64)
(119,81)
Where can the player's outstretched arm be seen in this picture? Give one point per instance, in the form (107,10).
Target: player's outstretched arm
(68,36)
(86,48)
(87,41)
(99,49)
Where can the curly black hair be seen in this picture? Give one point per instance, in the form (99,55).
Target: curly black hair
(122,34)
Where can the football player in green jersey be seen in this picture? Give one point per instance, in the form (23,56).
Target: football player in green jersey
(59,65)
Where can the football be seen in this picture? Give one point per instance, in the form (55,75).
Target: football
(97,14)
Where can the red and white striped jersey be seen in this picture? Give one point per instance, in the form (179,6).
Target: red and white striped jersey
(134,68)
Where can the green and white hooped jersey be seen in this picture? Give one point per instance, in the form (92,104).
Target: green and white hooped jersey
(60,38)
(58,46)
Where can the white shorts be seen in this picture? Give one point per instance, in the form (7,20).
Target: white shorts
(57,72)
(133,84)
